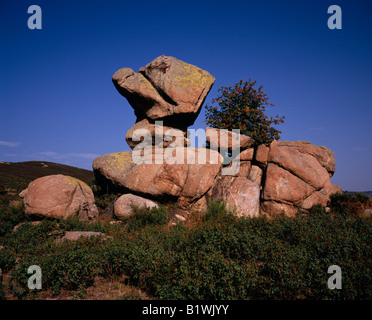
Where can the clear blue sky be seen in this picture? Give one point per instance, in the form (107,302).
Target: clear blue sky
(57,101)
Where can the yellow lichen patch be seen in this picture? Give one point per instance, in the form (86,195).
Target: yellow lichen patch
(75,182)
(119,161)
(193,77)
(146,84)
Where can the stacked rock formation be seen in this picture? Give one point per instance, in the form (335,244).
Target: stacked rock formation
(167,90)
(271,179)
(171,91)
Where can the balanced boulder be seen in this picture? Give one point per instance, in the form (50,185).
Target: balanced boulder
(164,89)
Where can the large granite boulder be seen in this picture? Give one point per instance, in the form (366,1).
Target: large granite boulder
(299,162)
(183,174)
(59,196)
(283,186)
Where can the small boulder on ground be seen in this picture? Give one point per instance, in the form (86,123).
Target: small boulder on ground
(124,205)
(75,235)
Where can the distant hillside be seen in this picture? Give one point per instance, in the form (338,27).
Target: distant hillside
(369,193)
(15,176)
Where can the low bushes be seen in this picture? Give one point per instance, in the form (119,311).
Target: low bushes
(221,257)
(147,217)
(346,204)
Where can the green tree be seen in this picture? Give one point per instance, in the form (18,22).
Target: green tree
(243,107)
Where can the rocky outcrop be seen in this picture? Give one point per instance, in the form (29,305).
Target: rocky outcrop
(297,175)
(59,197)
(280,178)
(254,180)
(167,96)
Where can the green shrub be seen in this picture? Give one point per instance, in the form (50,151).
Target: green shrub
(10,217)
(104,200)
(148,217)
(317,209)
(70,266)
(216,210)
(7,259)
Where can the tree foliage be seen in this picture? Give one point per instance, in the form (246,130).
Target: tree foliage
(243,107)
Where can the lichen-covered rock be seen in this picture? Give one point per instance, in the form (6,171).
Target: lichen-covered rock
(181,83)
(59,197)
(76,235)
(184,173)
(111,169)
